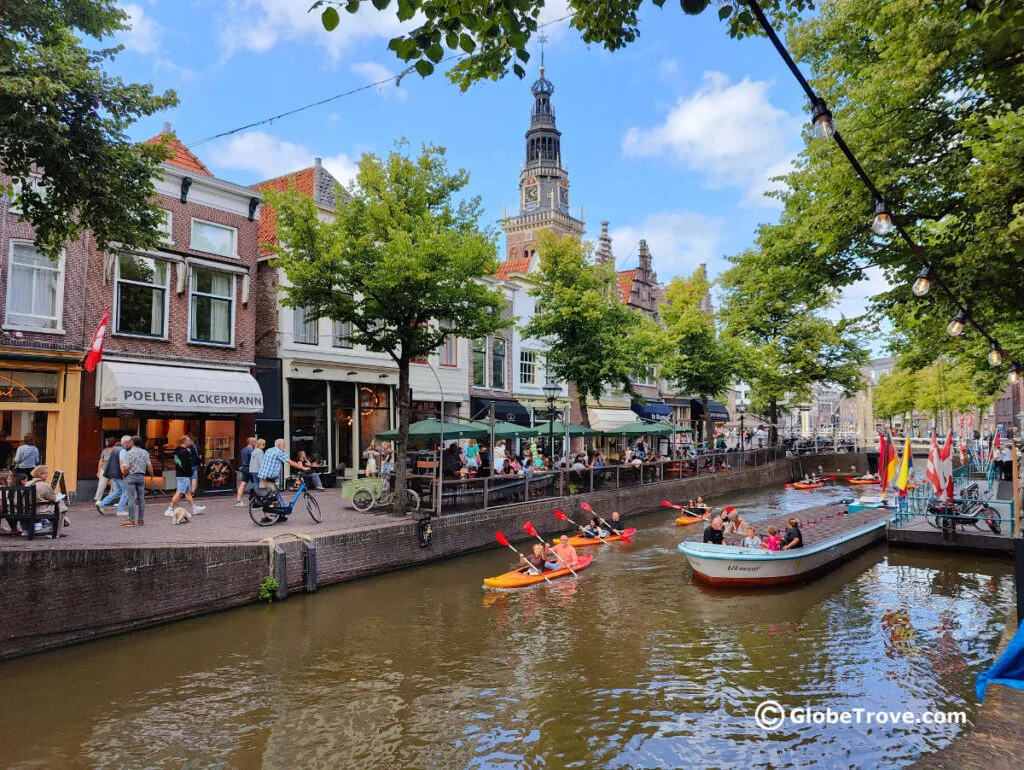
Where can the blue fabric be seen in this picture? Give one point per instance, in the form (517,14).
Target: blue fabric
(1008,670)
(273,460)
(653,410)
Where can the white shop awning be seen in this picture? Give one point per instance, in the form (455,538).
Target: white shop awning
(177,389)
(609,419)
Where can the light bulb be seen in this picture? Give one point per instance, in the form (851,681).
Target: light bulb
(956,326)
(995,355)
(923,282)
(821,121)
(1014,374)
(883,223)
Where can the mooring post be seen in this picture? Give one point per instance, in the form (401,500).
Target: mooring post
(281,572)
(309,566)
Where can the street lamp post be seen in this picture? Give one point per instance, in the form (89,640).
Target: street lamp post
(551,392)
(742,409)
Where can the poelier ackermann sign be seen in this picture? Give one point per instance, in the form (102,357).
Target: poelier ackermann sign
(182,401)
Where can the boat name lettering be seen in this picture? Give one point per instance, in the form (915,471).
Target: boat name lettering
(737,568)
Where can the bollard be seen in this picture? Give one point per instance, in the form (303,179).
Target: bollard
(309,566)
(281,572)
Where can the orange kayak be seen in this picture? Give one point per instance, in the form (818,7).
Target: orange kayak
(859,482)
(812,485)
(518,578)
(683,520)
(579,540)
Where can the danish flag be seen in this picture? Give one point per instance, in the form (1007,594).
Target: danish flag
(96,350)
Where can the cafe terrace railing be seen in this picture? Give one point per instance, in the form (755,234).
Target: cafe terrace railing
(473,493)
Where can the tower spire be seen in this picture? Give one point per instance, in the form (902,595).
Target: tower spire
(543,39)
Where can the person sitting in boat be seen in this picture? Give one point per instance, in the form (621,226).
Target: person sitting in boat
(562,555)
(773,542)
(700,505)
(616,523)
(593,529)
(735,525)
(713,532)
(535,560)
(752,540)
(794,537)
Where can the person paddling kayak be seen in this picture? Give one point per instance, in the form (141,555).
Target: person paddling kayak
(616,524)
(593,529)
(535,560)
(562,555)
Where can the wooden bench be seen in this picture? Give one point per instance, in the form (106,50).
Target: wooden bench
(21,506)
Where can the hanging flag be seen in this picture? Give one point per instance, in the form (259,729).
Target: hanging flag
(963,442)
(903,477)
(932,472)
(946,466)
(886,462)
(95,353)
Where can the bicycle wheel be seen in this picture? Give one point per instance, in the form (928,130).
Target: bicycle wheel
(313,507)
(259,516)
(362,499)
(412,500)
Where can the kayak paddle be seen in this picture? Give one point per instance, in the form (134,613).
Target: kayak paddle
(619,532)
(504,541)
(532,530)
(560,515)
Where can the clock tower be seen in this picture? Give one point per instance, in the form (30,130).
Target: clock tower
(543,182)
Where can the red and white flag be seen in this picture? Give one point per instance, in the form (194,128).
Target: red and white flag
(946,466)
(932,471)
(96,349)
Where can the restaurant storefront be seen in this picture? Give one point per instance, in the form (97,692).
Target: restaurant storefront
(162,403)
(40,396)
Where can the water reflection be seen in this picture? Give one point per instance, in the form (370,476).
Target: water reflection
(632,666)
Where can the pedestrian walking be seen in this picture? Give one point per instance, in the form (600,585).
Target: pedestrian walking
(25,459)
(112,471)
(256,461)
(102,481)
(197,460)
(247,450)
(183,485)
(135,465)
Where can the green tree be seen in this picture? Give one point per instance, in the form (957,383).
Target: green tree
(779,313)
(63,118)
(930,96)
(894,395)
(946,387)
(699,359)
(491,38)
(594,339)
(397,261)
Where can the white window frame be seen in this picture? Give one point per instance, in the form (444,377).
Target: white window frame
(58,300)
(168,230)
(504,364)
(534,364)
(117,299)
(448,350)
(472,362)
(295,327)
(341,335)
(35,181)
(234,238)
(192,292)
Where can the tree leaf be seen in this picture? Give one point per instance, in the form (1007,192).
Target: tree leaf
(425,68)
(466,43)
(380,5)
(451,40)
(330,18)
(724,12)
(434,52)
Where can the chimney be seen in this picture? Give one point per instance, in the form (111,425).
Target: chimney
(318,162)
(167,128)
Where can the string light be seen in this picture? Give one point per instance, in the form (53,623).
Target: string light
(956,326)
(924,281)
(1014,376)
(883,219)
(995,355)
(821,121)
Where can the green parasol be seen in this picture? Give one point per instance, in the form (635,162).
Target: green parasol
(430,429)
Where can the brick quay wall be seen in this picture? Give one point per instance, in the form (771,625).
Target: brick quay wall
(53,597)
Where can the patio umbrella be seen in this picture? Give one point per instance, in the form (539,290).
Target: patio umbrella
(575,431)
(641,429)
(430,429)
(506,430)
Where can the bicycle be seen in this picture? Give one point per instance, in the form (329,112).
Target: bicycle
(368,493)
(264,512)
(949,516)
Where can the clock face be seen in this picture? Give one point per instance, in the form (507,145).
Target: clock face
(531,194)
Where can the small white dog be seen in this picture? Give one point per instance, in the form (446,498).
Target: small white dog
(182,516)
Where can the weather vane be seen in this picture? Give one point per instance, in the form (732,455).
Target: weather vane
(543,39)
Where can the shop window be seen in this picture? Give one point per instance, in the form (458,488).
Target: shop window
(212,306)
(35,288)
(341,332)
(20,386)
(308,417)
(528,367)
(498,363)
(480,363)
(142,285)
(14,426)
(306,331)
(374,415)
(448,352)
(214,239)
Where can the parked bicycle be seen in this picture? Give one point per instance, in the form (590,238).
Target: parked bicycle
(947,516)
(266,508)
(376,492)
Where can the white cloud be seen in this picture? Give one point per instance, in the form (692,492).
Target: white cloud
(259,25)
(764,182)
(143,35)
(668,69)
(372,72)
(729,133)
(268,157)
(678,240)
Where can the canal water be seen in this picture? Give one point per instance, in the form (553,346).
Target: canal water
(632,666)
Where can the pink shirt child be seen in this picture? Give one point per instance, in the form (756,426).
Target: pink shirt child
(773,542)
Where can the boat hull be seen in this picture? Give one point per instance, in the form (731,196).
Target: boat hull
(862,482)
(802,485)
(579,541)
(684,521)
(519,579)
(738,567)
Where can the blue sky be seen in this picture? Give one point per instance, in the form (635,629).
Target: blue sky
(673,139)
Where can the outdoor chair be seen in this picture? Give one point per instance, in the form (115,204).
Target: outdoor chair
(20,506)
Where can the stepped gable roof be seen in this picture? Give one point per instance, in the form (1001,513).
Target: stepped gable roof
(626,278)
(513,265)
(266,228)
(181,155)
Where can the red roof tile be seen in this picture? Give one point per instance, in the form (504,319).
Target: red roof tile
(626,283)
(181,155)
(266,228)
(514,265)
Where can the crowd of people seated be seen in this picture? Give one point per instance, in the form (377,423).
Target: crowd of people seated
(733,524)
